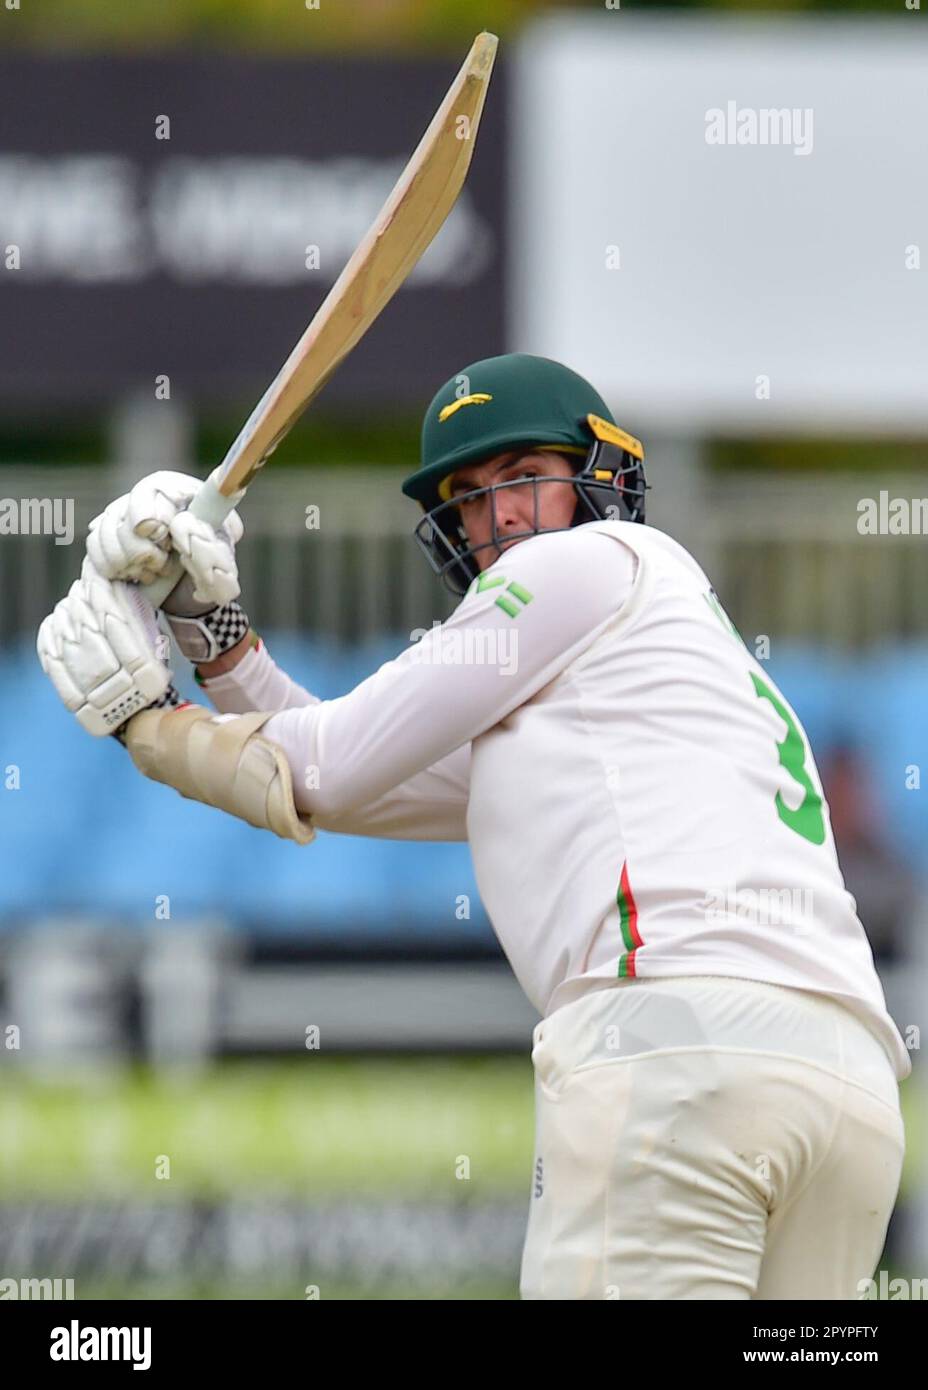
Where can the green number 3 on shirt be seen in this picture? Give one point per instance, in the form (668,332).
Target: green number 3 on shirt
(808,819)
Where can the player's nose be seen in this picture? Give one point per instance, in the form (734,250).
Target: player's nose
(512,512)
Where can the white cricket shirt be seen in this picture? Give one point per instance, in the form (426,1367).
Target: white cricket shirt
(639,798)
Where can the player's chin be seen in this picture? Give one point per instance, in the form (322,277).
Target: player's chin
(506,545)
(492,553)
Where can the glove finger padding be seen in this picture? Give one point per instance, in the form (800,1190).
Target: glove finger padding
(156,499)
(118,552)
(208,556)
(101,650)
(130,539)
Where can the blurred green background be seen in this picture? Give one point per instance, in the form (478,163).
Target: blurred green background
(378,25)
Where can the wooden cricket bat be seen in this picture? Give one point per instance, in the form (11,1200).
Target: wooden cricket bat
(405,226)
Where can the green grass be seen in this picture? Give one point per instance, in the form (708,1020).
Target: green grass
(315,1127)
(473,1290)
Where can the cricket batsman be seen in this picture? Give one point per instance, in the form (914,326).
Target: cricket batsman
(716,1073)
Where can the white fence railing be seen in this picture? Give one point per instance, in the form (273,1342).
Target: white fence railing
(350,571)
(783,552)
(787,558)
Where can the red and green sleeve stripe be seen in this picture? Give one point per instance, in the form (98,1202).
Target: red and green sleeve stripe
(628,918)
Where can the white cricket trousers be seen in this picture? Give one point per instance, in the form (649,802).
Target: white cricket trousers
(709,1138)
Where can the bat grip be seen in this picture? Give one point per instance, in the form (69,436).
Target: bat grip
(210,505)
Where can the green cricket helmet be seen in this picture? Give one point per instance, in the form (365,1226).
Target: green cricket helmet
(518,401)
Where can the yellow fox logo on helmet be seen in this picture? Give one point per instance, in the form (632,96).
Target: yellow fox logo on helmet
(477,399)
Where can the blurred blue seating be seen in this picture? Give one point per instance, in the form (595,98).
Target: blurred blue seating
(85,833)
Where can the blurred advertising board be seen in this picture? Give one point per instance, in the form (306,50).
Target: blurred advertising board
(186,215)
(727,217)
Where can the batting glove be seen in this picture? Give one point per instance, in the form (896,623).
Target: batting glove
(133,538)
(103,652)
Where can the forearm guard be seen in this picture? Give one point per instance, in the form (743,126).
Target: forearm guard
(223,762)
